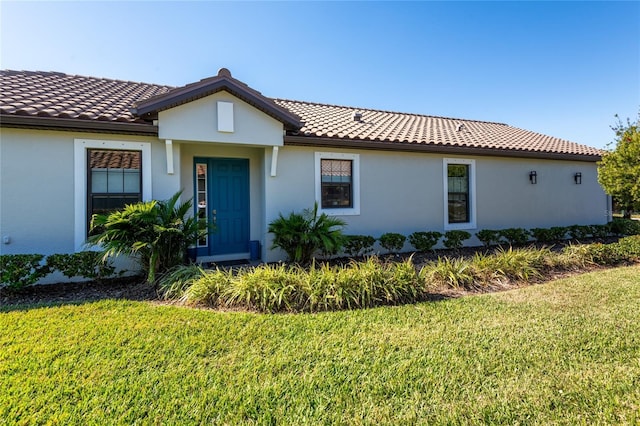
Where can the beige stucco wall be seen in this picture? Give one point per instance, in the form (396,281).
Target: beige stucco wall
(37,208)
(197,121)
(37,190)
(506,198)
(399,192)
(404,192)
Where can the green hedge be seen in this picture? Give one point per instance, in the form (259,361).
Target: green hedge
(21,270)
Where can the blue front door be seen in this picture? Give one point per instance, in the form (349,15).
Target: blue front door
(222,188)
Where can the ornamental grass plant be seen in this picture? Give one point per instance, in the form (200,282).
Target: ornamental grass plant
(374,282)
(321,287)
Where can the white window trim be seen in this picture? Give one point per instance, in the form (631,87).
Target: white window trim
(355,176)
(472,194)
(80,179)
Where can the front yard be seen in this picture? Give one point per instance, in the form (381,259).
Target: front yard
(564,352)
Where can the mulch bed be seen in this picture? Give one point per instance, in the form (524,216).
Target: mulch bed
(131,288)
(134,288)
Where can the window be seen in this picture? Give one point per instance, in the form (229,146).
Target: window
(114,179)
(458,189)
(459,181)
(202,192)
(337,183)
(107,175)
(336,177)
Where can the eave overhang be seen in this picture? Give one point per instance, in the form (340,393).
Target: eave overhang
(78,125)
(295,140)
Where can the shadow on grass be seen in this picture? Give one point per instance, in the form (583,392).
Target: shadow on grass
(132,289)
(76,293)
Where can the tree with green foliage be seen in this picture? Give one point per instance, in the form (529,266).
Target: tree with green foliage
(155,233)
(619,170)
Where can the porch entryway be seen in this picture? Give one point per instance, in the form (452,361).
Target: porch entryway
(222,194)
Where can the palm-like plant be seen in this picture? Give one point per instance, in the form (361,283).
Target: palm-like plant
(302,235)
(155,233)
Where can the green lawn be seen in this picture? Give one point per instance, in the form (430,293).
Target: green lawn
(566,352)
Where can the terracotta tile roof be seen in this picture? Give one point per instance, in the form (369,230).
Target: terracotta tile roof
(91,100)
(339,122)
(57,95)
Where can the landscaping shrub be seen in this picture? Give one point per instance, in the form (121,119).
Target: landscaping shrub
(392,242)
(291,288)
(547,235)
(486,271)
(620,227)
(268,288)
(454,239)
(449,272)
(175,282)
(367,284)
(424,241)
(558,233)
(606,254)
(207,289)
(302,235)
(573,255)
(542,235)
(521,264)
(599,231)
(488,237)
(579,232)
(625,250)
(515,236)
(359,245)
(87,264)
(322,287)
(631,246)
(155,233)
(21,270)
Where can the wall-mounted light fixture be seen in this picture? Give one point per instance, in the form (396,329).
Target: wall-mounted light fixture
(533,177)
(577,178)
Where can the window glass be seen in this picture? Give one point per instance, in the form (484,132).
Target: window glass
(131,180)
(99,180)
(336,180)
(201,185)
(115,180)
(458,189)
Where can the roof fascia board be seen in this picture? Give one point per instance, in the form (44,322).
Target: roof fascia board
(440,149)
(71,124)
(179,96)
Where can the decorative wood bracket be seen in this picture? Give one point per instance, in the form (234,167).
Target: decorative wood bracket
(168,144)
(274,161)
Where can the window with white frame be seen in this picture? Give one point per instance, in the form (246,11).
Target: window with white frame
(459,193)
(338,183)
(108,175)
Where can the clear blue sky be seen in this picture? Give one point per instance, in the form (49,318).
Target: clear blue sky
(559,68)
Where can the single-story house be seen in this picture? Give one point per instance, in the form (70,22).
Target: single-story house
(72,146)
